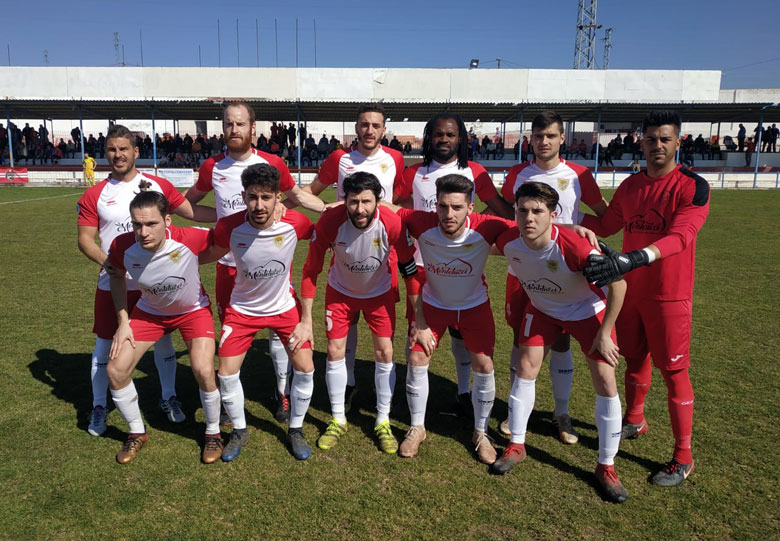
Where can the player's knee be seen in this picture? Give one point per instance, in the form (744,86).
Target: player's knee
(336,351)
(384,355)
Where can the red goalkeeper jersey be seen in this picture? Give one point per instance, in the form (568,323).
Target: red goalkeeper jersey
(667,212)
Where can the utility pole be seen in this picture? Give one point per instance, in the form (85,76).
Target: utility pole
(45,57)
(238,48)
(315,42)
(117,60)
(585,39)
(141,40)
(607,46)
(219,47)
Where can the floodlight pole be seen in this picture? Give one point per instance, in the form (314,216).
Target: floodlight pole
(10,136)
(596,163)
(81,128)
(154,143)
(758,147)
(298,127)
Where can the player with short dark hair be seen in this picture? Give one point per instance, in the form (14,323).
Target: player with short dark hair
(445,151)
(660,211)
(103,211)
(263,248)
(163,260)
(362,236)
(548,260)
(574,184)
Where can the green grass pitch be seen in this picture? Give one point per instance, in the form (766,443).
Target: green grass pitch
(58,482)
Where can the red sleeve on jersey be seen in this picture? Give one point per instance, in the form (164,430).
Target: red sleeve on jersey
(415,282)
(483,184)
(574,248)
(86,208)
(397,235)
(507,190)
(490,227)
(324,235)
(304,228)
(116,254)
(506,237)
(398,158)
(225,227)
(169,191)
(197,239)
(590,190)
(205,173)
(694,205)
(329,170)
(403,189)
(286,182)
(418,221)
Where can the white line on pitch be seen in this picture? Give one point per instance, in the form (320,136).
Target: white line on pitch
(39,198)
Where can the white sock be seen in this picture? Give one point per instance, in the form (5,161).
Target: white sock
(462,363)
(126,401)
(165,361)
(98,374)
(514,362)
(210,400)
(282,365)
(521,404)
(384,380)
(300,396)
(482,399)
(350,353)
(608,423)
(417,392)
(336,380)
(561,375)
(233,399)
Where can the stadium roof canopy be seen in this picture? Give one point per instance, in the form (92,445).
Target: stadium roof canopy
(333,94)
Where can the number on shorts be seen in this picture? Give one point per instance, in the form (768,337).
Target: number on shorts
(226,330)
(328,320)
(528,319)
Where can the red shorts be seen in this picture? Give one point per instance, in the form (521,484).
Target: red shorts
(341,311)
(151,327)
(539,329)
(661,328)
(105,322)
(516,302)
(238,330)
(226,280)
(475,324)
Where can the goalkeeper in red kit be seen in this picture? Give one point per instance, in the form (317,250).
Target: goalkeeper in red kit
(660,211)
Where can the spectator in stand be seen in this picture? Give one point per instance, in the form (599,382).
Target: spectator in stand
(687,151)
(715,149)
(57,155)
(772,134)
(62,146)
(741,134)
(291,135)
(593,150)
(749,148)
(484,149)
(196,149)
(43,133)
(582,149)
(407,148)
(524,149)
(187,144)
(322,147)
(101,145)
(302,133)
(395,144)
(564,151)
(700,146)
(384,141)
(516,149)
(499,155)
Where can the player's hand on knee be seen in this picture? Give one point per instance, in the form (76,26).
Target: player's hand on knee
(123,332)
(609,350)
(424,336)
(300,335)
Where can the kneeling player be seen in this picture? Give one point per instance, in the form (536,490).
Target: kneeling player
(362,236)
(549,261)
(162,259)
(263,298)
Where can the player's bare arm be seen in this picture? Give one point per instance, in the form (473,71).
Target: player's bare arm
(213,253)
(196,213)
(305,199)
(123,331)
(201,213)
(88,246)
(500,207)
(421,334)
(303,332)
(616,293)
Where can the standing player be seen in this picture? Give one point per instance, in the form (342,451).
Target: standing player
(263,297)
(89,170)
(163,260)
(549,259)
(445,152)
(362,236)
(454,244)
(222,173)
(103,210)
(660,211)
(372,157)
(574,183)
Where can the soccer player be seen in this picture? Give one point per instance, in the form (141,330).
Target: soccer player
(89,169)
(445,151)
(222,173)
(574,184)
(263,297)
(103,211)
(362,236)
(660,211)
(370,156)
(163,260)
(548,260)
(454,243)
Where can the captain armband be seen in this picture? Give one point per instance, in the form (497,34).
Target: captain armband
(407,269)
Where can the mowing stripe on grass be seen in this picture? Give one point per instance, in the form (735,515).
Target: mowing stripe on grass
(39,198)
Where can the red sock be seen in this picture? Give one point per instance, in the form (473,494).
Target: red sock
(680,398)
(639,374)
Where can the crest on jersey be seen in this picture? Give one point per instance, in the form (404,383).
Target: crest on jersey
(376,243)
(563,183)
(552,265)
(279,241)
(384,167)
(175,256)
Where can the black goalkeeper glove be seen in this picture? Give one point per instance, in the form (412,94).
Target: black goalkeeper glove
(610,267)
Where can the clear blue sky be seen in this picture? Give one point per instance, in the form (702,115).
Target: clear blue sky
(740,38)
